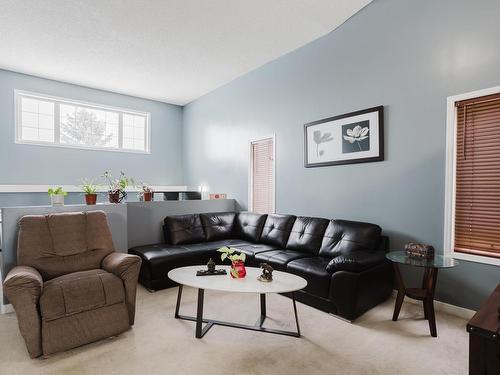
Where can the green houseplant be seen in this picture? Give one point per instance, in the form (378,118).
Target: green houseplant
(57,196)
(90,190)
(117,186)
(237,270)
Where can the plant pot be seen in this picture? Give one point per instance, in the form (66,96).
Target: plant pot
(116,196)
(57,199)
(147,196)
(90,199)
(238,270)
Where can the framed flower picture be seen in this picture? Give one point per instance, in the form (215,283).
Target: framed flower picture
(356,137)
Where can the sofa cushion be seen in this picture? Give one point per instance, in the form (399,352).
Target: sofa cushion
(80,291)
(278,259)
(343,237)
(306,234)
(277,230)
(314,271)
(183,229)
(249,225)
(218,226)
(158,259)
(250,250)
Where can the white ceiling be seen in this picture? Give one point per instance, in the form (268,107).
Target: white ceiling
(172,50)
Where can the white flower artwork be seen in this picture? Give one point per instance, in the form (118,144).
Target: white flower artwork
(357,134)
(354,137)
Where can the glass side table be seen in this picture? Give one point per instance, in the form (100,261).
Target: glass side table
(426,292)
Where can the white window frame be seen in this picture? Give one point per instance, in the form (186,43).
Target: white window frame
(19,94)
(450,188)
(250,171)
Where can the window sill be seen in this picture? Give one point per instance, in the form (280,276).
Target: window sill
(476,258)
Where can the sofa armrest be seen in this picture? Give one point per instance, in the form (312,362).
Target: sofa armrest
(356,262)
(23,287)
(126,267)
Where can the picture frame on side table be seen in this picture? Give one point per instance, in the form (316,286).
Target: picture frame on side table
(355,137)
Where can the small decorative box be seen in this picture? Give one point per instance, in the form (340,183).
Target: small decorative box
(419,250)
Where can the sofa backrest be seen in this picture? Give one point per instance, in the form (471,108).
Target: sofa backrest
(62,243)
(343,237)
(183,229)
(249,225)
(307,234)
(277,229)
(218,225)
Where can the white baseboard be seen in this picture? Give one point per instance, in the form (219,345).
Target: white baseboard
(6,309)
(447,308)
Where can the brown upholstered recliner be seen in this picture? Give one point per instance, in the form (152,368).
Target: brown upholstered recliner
(70,286)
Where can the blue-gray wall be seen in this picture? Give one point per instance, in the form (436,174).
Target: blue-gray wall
(406,55)
(39,165)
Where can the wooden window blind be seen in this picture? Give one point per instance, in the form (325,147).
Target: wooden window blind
(477,185)
(262,176)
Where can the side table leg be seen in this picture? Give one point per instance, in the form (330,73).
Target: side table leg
(429,300)
(401,293)
(425,279)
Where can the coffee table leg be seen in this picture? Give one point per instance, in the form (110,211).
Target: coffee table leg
(199,314)
(296,316)
(178,305)
(401,292)
(263,311)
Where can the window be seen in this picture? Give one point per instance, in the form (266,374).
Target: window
(262,172)
(45,120)
(473,215)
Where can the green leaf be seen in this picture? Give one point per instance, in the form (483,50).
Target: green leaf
(223,256)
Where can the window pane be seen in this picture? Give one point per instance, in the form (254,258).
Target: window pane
(46,122)
(128,143)
(30,134)
(37,115)
(128,131)
(86,127)
(134,131)
(46,135)
(30,119)
(29,105)
(46,108)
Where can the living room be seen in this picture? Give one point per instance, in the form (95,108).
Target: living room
(329,169)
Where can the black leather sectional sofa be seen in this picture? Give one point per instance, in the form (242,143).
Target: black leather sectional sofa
(343,261)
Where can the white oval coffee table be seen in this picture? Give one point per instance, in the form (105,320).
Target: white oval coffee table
(283,282)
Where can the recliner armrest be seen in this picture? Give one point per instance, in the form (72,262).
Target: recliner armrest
(23,287)
(23,280)
(126,267)
(356,262)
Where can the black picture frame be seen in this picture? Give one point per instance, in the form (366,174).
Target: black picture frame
(379,157)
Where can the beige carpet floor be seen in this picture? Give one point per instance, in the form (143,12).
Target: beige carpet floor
(160,344)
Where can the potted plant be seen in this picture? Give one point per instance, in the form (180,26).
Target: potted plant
(57,196)
(146,193)
(90,190)
(237,270)
(117,186)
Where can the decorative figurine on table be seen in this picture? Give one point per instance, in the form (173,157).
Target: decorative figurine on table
(267,273)
(211,270)
(237,270)
(211,265)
